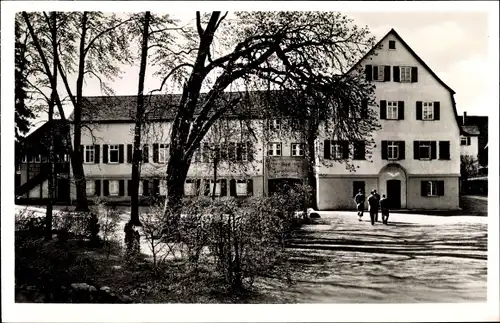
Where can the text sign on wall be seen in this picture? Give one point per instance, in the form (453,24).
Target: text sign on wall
(286,167)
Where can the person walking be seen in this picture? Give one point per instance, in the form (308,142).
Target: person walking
(376,210)
(373,203)
(359,199)
(384,208)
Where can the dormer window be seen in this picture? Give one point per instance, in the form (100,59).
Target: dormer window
(392,44)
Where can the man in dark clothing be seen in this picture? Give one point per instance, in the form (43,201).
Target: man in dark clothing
(384,208)
(373,202)
(378,199)
(359,199)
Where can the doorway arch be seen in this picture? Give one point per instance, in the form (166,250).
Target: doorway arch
(393,182)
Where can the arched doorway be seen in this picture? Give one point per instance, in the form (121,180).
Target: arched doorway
(393,183)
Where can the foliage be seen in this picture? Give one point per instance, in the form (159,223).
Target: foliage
(109,221)
(469,166)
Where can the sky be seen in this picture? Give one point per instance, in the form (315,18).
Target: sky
(453,44)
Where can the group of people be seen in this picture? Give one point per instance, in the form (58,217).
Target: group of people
(374,202)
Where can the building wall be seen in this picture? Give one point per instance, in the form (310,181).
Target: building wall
(472,149)
(336,192)
(450,201)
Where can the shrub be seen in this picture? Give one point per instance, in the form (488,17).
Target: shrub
(108,224)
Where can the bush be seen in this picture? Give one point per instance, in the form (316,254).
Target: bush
(108,221)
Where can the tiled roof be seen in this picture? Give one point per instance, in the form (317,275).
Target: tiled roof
(471,130)
(253,104)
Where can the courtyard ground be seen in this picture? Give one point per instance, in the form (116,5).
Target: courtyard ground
(416,258)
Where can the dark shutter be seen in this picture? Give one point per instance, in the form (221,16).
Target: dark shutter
(359,150)
(364,108)
(120,154)
(419,110)
(97,187)
(402,153)
(345,149)
(223,187)
(414,74)
(129,154)
(423,188)
(105,187)
(145,187)
(129,187)
(444,150)
(437,112)
(250,151)
(121,187)
(383,109)
(155,153)
(375,73)
(416,152)
(145,154)
(250,187)
(206,186)
(395,74)
(368,72)
(440,188)
(82,153)
(97,154)
(387,73)
(384,149)
(232,187)
(401,110)
(156,187)
(327,149)
(433,150)
(105,150)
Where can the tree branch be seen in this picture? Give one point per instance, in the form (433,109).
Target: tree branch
(198,24)
(93,40)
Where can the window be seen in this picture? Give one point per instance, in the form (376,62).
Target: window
(297,149)
(393,150)
(392,110)
(275,125)
(274,149)
(464,141)
(162,153)
(24,159)
(432,188)
(114,154)
(359,150)
(217,187)
(114,186)
(392,44)
(190,187)
(89,154)
(405,75)
(241,151)
(296,124)
(241,187)
(424,150)
(427,111)
(163,187)
(378,73)
(37,159)
(90,188)
(337,152)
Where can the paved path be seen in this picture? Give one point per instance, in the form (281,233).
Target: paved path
(474,204)
(415,258)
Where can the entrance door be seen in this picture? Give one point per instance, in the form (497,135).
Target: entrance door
(63,190)
(394,193)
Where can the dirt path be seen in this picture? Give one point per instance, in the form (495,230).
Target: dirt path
(415,259)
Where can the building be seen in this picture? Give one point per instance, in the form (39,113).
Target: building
(475,143)
(415,161)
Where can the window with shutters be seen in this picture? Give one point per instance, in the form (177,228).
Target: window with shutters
(274,149)
(217,187)
(162,153)
(275,125)
(378,73)
(114,154)
(337,152)
(392,150)
(432,188)
(392,110)
(241,187)
(424,150)
(405,74)
(190,187)
(90,188)
(114,187)
(297,150)
(427,111)
(463,140)
(89,154)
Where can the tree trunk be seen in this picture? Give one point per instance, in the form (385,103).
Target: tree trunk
(216,162)
(176,177)
(136,159)
(311,164)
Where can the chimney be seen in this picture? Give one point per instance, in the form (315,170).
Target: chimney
(463,118)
